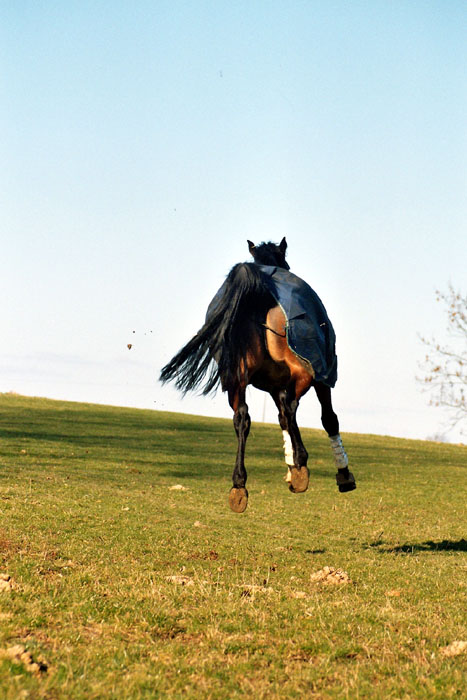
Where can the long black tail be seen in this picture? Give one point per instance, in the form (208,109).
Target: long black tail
(220,347)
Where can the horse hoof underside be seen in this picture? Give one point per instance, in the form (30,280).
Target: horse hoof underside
(345,481)
(238,499)
(298,478)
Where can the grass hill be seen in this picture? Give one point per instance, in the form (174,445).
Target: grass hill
(115,584)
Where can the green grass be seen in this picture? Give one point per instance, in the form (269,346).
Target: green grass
(127,589)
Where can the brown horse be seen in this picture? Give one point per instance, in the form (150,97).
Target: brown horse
(245,340)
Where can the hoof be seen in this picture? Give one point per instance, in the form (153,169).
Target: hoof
(345,481)
(298,478)
(238,499)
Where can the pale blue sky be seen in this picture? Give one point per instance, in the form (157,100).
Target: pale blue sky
(143,143)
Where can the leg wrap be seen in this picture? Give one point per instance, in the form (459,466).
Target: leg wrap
(288,449)
(340,455)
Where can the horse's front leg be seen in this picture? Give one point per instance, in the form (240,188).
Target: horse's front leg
(344,478)
(296,456)
(238,497)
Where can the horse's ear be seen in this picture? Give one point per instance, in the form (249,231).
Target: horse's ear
(283,246)
(251,246)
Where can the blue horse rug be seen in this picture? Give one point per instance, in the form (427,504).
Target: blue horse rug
(309,331)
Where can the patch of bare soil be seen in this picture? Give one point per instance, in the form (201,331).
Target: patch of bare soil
(6,584)
(18,654)
(298,594)
(455,648)
(249,589)
(181,580)
(328,575)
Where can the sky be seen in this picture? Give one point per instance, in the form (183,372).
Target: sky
(144,143)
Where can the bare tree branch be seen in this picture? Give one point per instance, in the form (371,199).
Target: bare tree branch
(445,366)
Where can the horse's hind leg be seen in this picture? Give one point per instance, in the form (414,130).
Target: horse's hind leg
(296,456)
(344,478)
(238,497)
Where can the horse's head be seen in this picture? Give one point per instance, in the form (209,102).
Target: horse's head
(269,253)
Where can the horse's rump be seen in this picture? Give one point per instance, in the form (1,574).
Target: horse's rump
(308,329)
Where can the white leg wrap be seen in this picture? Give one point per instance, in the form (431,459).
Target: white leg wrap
(340,455)
(288,449)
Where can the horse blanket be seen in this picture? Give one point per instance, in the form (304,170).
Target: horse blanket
(309,331)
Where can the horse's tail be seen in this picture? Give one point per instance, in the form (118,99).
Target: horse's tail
(219,349)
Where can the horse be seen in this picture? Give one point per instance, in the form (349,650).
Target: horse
(245,340)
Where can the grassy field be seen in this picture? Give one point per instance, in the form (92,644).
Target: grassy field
(115,585)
